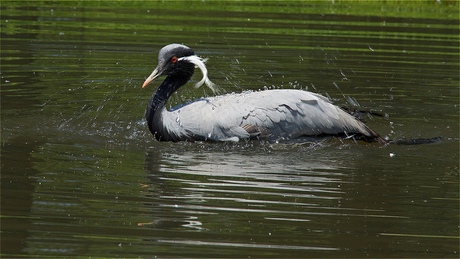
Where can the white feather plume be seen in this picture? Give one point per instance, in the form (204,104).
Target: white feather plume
(199,62)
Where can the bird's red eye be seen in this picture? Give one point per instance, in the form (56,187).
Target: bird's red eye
(174,59)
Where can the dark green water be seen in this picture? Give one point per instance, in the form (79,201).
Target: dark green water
(81,174)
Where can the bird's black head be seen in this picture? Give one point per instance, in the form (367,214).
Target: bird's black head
(170,61)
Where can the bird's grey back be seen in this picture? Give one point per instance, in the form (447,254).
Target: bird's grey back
(276,114)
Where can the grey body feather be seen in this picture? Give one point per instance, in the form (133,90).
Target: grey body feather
(270,114)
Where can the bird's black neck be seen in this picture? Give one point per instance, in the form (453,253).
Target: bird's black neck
(159,98)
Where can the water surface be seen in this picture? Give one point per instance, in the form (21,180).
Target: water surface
(81,174)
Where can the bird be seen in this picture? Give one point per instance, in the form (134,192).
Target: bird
(273,115)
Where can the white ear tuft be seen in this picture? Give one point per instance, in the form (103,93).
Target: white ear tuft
(199,62)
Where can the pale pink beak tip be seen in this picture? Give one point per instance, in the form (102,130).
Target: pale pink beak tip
(147,81)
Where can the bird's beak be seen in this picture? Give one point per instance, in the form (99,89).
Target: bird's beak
(156,73)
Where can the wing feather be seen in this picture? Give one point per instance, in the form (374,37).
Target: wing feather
(280,113)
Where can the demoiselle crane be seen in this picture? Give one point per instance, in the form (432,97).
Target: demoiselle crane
(272,115)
